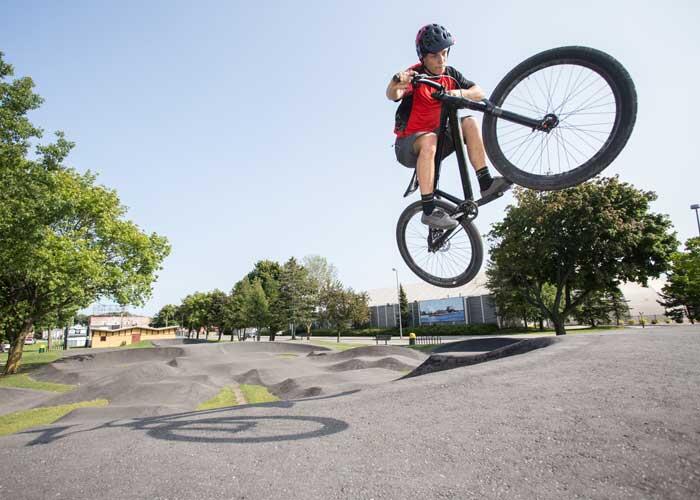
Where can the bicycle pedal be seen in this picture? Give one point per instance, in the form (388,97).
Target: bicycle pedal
(489,198)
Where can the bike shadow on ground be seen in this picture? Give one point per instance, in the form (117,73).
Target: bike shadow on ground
(221,425)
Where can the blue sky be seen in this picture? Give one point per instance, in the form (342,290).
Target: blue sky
(259,130)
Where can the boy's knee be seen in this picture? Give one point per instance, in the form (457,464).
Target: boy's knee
(469,124)
(426,145)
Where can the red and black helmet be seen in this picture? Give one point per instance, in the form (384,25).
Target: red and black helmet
(433,38)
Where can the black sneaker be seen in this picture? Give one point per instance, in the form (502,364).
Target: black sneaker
(499,186)
(439,220)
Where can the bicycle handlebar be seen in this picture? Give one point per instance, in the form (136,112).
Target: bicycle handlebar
(454,101)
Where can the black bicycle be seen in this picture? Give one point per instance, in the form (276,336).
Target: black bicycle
(554,121)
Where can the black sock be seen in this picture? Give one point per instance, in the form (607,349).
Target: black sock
(428,203)
(484,177)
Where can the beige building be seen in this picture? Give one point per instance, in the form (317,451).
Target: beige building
(107,337)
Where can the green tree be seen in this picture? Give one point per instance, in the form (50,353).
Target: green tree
(268,273)
(257,307)
(340,308)
(403,305)
(237,314)
(217,305)
(321,274)
(81,319)
(596,308)
(619,308)
(64,241)
(580,240)
(167,316)
(296,300)
(681,293)
(195,312)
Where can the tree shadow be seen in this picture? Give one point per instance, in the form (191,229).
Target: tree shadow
(220,425)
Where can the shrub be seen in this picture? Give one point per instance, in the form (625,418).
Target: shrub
(630,322)
(654,321)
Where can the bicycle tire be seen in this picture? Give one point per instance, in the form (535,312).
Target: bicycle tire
(473,237)
(621,86)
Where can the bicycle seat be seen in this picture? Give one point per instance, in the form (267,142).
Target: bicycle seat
(413,185)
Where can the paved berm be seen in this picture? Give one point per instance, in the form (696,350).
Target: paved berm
(585,416)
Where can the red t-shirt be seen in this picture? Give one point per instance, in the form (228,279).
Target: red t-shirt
(418,111)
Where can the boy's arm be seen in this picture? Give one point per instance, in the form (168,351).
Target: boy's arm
(475,93)
(398,85)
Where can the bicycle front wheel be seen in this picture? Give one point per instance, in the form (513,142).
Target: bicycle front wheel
(593,101)
(455,263)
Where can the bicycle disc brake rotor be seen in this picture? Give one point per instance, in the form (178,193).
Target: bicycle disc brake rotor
(433,236)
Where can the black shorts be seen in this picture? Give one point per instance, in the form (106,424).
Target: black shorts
(406,156)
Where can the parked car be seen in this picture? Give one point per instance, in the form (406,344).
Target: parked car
(29,341)
(5,347)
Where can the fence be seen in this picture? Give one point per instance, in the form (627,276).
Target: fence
(428,339)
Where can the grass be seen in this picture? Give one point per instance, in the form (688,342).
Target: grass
(257,394)
(424,347)
(23,381)
(144,344)
(226,397)
(32,358)
(338,346)
(18,421)
(286,355)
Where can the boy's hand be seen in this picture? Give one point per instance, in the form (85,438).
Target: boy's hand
(403,78)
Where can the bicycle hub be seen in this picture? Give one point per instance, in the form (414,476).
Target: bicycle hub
(549,122)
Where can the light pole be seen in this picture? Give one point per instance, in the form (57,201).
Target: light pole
(696,207)
(398,294)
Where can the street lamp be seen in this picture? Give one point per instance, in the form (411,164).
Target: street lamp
(695,207)
(398,294)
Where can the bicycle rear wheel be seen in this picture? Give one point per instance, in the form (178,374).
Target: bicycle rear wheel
(454,264)
(595,104)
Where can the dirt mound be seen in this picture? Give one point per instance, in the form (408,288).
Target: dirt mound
(170,342)
(292,389)
(446,361)
(50,373)
(476,345)
(111,358)
(374,352)
(388,363)
(261,347)
(250,377)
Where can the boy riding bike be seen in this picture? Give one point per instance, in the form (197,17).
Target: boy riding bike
(418,120)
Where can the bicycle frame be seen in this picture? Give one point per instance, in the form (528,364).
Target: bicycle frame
(449,119)
(448,116)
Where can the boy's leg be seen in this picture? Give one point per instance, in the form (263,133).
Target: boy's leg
(425,147)
(477,156)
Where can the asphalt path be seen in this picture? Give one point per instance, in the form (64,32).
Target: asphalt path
(591,416)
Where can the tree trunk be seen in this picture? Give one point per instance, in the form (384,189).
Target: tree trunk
(559,326)
(308,331)
(221,332)
(541,323)
(338,335)
(16,348)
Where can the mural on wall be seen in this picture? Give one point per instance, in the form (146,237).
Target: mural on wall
(442,311)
